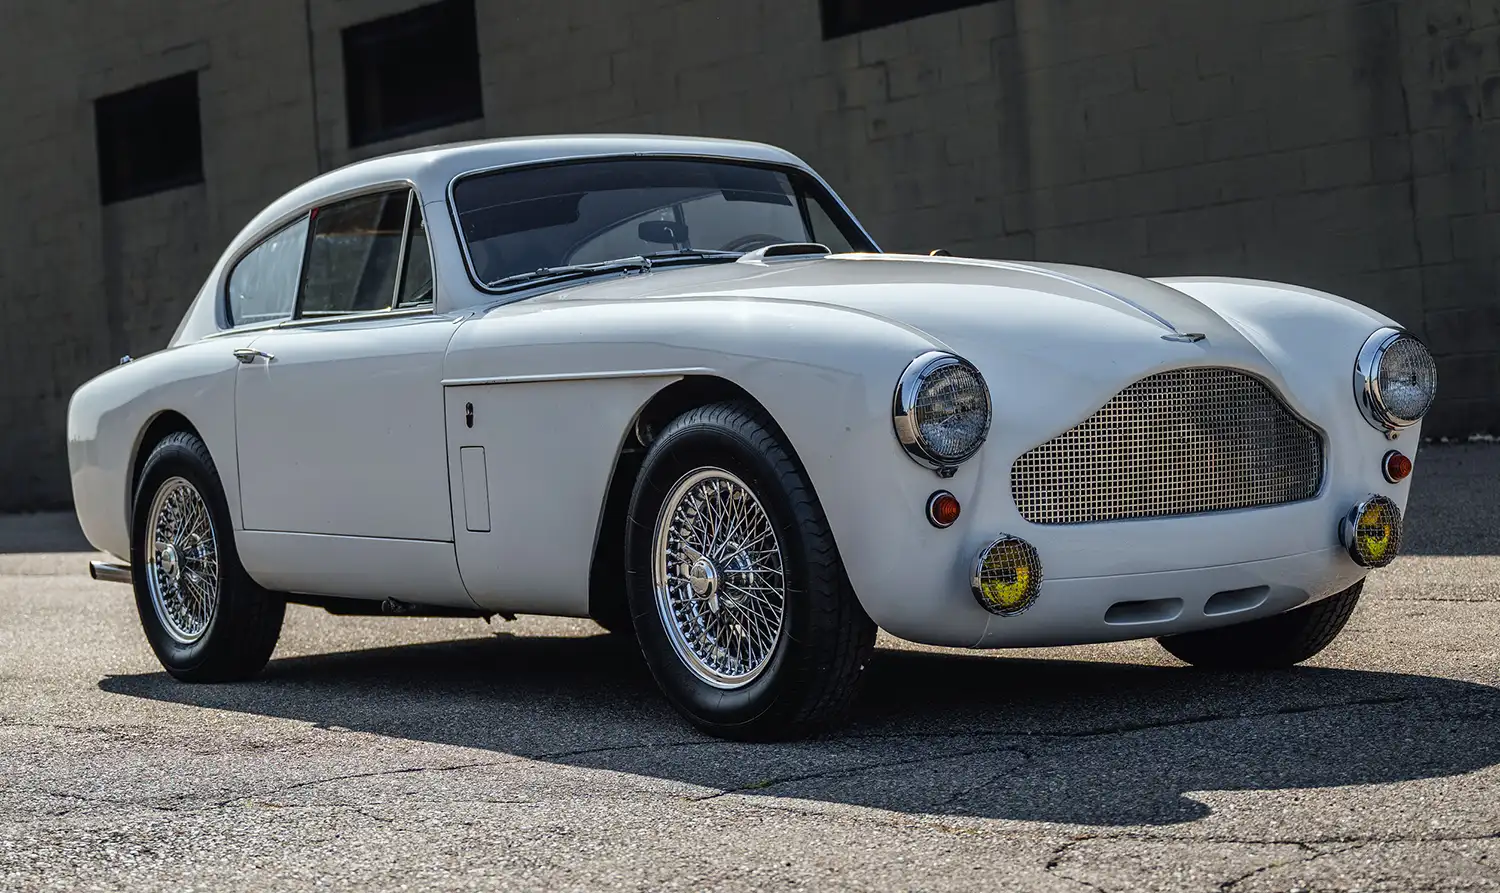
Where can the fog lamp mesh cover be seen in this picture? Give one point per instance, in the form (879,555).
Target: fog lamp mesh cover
(1007,576)
(1372,532)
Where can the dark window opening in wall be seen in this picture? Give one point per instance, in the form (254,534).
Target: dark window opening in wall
(412,72)
(841,17)
(149,139)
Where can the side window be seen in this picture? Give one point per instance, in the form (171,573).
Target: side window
(356,247)
(416,271)
(263,285)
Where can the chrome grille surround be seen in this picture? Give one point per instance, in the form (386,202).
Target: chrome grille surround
(1183,442)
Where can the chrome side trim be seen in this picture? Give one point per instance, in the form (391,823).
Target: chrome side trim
(578,376)
(110,572)
(362,316)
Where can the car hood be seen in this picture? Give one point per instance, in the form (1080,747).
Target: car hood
(993,312)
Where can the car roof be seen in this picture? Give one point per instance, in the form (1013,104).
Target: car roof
(432,168)
(451,159)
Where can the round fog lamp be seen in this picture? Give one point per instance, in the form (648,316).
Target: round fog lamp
(1007,576)
(1372,532)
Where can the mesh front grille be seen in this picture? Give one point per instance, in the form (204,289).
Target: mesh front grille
(1177,443)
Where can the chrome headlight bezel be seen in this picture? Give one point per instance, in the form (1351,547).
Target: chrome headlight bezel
(909,433)
(1367,380)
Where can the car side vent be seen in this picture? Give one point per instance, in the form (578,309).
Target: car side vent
(786,249)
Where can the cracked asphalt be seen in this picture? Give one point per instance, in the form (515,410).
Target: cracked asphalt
(400,754)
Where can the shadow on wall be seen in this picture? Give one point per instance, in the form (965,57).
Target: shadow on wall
(1089,743)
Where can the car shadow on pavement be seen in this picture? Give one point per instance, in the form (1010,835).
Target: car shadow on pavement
(985,736)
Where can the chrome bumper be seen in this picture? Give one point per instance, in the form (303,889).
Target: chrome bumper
(110,572)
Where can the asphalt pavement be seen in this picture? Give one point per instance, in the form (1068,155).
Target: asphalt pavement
(407,754)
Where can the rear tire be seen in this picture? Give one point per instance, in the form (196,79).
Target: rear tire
(205,618)
(1270,643)
(740,602)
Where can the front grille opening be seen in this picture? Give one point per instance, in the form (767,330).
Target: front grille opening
(1183,442)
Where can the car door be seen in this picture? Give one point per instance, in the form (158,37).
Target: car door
(339,412)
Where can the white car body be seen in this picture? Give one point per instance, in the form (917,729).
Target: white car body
(351,468)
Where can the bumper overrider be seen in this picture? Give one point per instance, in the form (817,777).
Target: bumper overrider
(1195,458)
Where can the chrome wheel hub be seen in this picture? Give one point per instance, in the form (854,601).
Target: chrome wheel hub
(167,561)
(719,578)
(704,578)
(182,567)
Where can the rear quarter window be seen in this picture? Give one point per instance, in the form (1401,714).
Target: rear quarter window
(263,284)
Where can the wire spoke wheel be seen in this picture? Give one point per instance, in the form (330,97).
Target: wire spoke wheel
(182,567)
(719,578)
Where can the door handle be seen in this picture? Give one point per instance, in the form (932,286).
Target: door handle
(248,355)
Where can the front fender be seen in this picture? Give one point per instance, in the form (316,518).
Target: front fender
(825,374)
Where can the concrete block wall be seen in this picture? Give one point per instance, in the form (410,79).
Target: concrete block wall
(1351,145)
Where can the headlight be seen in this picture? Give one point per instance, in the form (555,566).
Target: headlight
(1395,380)
(942,410)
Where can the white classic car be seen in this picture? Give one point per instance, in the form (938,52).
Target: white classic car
(672,384)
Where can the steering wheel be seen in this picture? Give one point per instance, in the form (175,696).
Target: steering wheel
(752,242)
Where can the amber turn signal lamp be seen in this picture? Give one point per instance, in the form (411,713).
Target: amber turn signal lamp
(1396,466)
(942,509)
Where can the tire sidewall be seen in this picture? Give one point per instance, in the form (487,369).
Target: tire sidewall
(175,458)
(676,454)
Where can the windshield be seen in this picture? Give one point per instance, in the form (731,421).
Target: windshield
(519,221)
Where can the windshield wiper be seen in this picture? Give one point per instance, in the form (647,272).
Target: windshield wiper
(641,262)
(574,271)
(693,253)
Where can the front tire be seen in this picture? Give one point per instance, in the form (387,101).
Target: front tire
(1272,642)
(205,618)
(740,602)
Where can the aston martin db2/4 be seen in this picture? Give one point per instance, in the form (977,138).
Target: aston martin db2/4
(673,385)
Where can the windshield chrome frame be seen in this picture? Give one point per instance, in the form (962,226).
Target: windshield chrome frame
(520,290)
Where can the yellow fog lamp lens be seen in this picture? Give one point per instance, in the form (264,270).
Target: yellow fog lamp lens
(1007,576)
(1372,532)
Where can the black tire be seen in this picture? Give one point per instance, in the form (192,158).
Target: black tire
(1271,643)
(826,641)
(243,629)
